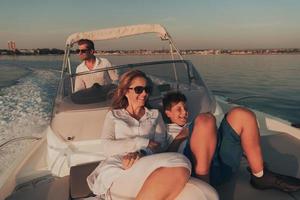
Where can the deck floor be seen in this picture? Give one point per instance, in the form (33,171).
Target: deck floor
(281,153)
(44,188)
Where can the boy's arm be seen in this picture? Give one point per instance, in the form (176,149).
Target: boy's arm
(173,147)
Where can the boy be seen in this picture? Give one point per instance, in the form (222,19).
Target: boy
(216,155)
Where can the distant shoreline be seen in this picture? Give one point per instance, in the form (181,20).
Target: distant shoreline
(46,51)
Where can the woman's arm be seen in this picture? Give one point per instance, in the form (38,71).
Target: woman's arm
(112,146)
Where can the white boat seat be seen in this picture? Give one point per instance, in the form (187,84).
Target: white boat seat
(78,122)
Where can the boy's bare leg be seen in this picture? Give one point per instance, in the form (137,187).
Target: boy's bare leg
(243,121)
(203,144)
(164,183)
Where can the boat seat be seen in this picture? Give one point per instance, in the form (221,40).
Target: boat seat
(78,185)
(46,188)
(79,122)
(84,120)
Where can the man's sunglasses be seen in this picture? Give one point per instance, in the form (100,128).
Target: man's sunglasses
(140,89)
(82,50)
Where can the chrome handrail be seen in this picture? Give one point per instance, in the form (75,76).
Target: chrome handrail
(230,100)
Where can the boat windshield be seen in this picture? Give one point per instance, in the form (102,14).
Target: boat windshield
(165,75)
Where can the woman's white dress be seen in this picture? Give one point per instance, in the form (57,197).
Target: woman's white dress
(123,134)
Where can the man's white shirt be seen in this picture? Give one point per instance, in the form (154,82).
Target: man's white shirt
(102,78)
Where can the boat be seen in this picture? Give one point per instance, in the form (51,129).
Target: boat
(71,146)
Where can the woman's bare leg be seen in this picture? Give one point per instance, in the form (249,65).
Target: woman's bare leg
(203,144)
(164,183)
(243,121)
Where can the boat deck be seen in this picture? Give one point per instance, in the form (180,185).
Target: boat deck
(44,188)
(281,153)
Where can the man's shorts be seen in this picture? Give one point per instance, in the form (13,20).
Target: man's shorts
(227,157)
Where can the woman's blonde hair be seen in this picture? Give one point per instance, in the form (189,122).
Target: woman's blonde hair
(119,100)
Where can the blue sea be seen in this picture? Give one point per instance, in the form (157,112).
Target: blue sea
(28,86)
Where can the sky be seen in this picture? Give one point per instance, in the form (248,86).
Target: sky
(193,24)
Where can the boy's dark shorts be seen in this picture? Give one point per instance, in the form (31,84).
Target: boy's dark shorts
(227,156)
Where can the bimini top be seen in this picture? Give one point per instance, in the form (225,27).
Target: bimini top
(119,32)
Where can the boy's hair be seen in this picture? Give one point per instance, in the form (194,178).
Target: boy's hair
(89,43)
(172,98)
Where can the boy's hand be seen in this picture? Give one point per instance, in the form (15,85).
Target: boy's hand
(153,145)
(173,147)
(129,159)
(184,133)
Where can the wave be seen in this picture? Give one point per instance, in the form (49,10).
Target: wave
(25,110)
(11,74)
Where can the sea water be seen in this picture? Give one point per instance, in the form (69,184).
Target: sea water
(28,86)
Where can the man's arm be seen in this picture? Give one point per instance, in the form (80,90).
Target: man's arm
(79,84)
(113,74)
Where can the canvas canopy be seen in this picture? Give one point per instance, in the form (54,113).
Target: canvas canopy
(119,32)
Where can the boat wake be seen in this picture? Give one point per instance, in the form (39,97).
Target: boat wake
(25,112)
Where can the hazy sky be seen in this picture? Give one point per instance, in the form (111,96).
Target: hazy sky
(194,24)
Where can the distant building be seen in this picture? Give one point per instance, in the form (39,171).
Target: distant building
(11,46)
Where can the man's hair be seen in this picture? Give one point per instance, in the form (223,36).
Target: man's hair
(172,98)
(89,43)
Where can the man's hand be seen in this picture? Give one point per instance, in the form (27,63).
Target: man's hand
(153,145)
(129,159)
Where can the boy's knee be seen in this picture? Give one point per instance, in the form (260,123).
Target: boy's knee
(240,113)
(206,120)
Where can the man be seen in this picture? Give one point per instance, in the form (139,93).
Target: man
(90,62)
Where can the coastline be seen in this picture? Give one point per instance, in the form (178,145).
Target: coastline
(204,52)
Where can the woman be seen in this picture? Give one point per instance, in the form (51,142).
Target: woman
(132,134)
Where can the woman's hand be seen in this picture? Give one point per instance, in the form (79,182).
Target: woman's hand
(129,159)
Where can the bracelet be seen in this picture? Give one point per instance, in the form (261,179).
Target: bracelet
(142,152)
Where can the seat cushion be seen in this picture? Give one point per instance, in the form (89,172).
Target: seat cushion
(78,185)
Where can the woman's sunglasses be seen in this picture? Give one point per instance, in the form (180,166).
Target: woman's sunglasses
(140,89)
